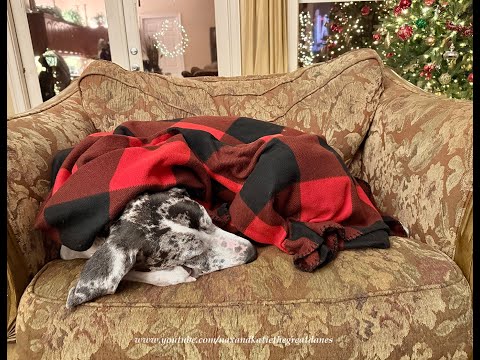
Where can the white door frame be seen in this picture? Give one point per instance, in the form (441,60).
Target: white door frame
(117,33)
(292,31)
(15,81)
(20,59)
(229,42)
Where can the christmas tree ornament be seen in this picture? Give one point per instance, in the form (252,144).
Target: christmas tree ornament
(405,32)
(451,55)
(403,5)
(336,28)
(389,55)
(470,78)
(377,36)
(462,30)
(388,40)
(429,2)
(366,10)
(421,23)
(430,40)
(445,79)
(161,37)
(427,71)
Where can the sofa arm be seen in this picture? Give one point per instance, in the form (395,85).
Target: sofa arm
(418,159)
(33,138)
(464,245)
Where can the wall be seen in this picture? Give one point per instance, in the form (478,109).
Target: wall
(197,17)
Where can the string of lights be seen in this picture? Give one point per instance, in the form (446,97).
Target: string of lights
(160,38)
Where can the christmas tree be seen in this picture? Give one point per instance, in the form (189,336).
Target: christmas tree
(430,44)
(352,25)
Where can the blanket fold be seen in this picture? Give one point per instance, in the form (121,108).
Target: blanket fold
(271,184)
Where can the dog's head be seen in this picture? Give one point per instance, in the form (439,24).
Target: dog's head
(184,235)
(160,231)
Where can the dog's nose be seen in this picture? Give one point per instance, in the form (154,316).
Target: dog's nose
(251,255)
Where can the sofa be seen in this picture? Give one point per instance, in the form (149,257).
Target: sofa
(411,301)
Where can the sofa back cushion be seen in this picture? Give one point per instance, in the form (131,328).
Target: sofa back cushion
(335,99)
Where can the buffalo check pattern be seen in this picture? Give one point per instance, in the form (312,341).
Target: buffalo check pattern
(271,184)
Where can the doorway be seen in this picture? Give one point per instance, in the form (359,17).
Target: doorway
(53,41)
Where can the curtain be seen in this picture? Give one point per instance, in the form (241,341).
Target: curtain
(264,36)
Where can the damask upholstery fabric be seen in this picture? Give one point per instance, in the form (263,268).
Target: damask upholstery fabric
(335,99)
(373,302)
(408,302)
(418,154)
(33,139)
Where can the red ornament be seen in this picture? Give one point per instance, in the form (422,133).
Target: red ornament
(405,32)
(403,5)
(429,67)
(377,36)
(427,71)
(429,2)
(468,31)
(463,30)
(470,78)
(336,28)
(366,10)
(389,55)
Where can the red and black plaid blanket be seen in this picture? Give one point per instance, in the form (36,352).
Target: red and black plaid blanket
(270,183)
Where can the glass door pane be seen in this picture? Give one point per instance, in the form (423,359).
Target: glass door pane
(66,36)
(178,37)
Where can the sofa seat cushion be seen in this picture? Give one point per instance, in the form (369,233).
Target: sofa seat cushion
(409,301)
(336,99)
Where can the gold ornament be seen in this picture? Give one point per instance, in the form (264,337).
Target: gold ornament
(430,40)
(445,79)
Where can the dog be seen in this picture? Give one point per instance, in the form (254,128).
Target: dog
(162,238)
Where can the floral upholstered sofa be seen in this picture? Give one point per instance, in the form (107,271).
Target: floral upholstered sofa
(412,301)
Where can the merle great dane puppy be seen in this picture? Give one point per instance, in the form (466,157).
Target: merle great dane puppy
(162,238)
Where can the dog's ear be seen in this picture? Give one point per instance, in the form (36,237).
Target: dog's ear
(102,273)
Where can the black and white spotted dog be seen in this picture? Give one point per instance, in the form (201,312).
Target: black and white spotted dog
(162,238)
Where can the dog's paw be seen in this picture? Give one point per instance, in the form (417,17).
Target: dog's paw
(74,298)
(173,276)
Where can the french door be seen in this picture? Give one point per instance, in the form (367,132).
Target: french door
(50,42)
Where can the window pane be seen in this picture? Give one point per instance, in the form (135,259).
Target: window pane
(329,29)
(66,36)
